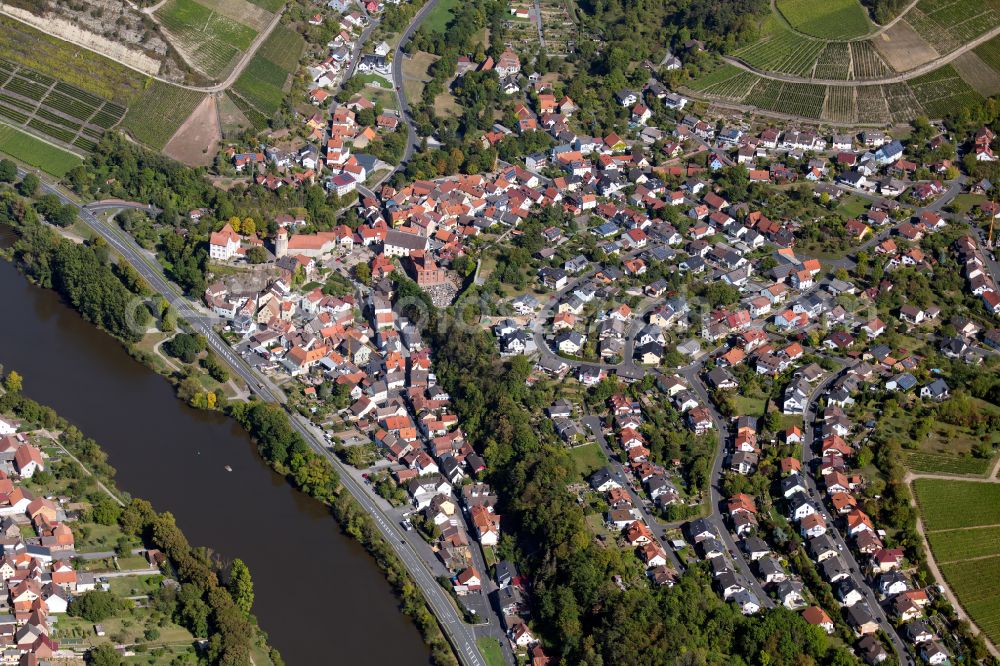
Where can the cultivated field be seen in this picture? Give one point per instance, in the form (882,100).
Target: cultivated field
(262,85)
(781,50)
(948,24)
(943,91)
(962,521)
(155,117)
(903,48)
(51,108)
(830,19)
(956,504)
(36,152)
(943,463)
(977,73)
(210,41)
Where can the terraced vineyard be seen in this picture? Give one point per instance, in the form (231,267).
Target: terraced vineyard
(834,62)
(866,62)
(903,104)
(871,105)
(211,41)
(718,75)
(262,83)
(157,115)
(830,19)
(734,88)
(937,463)
(840,106)
(942,91)
(54,109)
(962,521)
(989,52)
(948,24)
(781,50)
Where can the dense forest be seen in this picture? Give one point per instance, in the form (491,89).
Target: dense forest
(582,614)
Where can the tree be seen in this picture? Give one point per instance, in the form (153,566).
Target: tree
(13,382)
(105,512)
(363,273)
(249,226)
(257,255)
(104,654)
(95,606)
(241,585)
(8,171)
(28,186)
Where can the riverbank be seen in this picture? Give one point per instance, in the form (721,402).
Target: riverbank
(161,596)
(316,477)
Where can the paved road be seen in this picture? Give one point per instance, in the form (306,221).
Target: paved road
(658,528)
(812,442)
(461,635)
(715,498)
(412,142)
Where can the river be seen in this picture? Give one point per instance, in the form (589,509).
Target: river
(319,595)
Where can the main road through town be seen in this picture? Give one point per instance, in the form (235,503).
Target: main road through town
(461,635)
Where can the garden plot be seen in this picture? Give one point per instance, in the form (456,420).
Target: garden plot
(558,27)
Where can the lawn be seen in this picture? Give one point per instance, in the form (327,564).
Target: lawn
(852,206)
(30,150)
(490,647)
(439,17)
(588,458)
(956,504)
(832,19)
(415,74)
